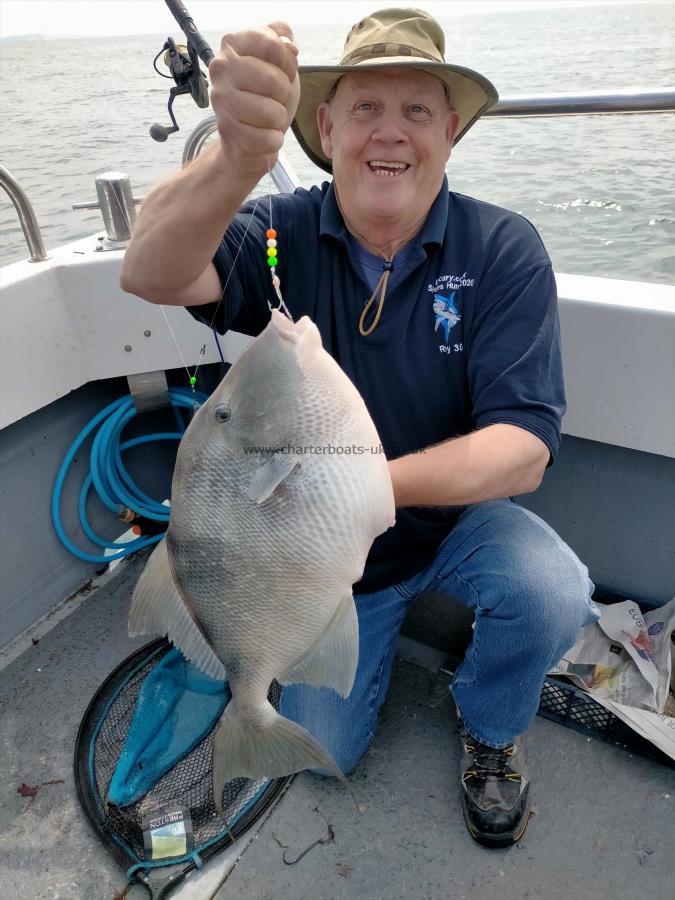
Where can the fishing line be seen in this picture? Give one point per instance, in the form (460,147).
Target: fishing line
(272,259)
(272,254)
(168,325)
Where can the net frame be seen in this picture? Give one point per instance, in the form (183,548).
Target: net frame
(100,738)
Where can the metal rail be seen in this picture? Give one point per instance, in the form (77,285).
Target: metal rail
(282,175)
(27,217)
(510,107)
(195,141)
(584,104)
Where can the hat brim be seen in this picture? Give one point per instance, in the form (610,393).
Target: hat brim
(471,94)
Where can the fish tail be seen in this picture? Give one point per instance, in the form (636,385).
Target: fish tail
(272,747)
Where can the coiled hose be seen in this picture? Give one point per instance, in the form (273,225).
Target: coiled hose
(108,476)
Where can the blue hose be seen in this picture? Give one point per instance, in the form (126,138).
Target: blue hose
(109,477)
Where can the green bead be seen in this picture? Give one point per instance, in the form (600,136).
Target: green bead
(193,380)
(271,261)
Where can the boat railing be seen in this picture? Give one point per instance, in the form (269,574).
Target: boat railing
(117,203)
(584,104)
(619,102)
(26,213)
(285,180)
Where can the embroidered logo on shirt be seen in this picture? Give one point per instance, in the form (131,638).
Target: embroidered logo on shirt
(446,303)
(446,313)
(452,282)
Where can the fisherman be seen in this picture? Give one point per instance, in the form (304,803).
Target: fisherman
(442,311)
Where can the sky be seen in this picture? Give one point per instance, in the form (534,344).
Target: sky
(75,18)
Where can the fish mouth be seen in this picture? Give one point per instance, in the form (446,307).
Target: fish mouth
(290,331)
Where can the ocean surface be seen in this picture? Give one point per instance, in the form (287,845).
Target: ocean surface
(600,189)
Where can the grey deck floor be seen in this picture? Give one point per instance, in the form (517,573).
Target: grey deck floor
(604,823)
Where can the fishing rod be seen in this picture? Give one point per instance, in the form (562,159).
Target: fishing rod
(182,61)
(190,79)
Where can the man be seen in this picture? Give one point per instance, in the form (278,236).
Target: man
(442,310)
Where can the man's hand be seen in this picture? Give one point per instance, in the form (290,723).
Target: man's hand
(255,92)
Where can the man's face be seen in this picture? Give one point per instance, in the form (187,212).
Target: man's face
(398,117)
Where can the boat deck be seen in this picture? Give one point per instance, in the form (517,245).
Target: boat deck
(604,822)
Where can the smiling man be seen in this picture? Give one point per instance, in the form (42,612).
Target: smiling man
(404,117)
(442,311)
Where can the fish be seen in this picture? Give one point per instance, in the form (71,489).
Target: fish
(446,313)
(279,489)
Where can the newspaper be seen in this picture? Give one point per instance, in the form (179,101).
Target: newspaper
(624,661)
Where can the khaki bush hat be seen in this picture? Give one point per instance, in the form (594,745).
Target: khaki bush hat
(390,38)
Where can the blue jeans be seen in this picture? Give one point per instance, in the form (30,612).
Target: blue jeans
(530,595)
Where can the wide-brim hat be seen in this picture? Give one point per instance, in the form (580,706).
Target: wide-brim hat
(387,39)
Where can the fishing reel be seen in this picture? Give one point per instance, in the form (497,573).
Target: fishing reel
(183,63)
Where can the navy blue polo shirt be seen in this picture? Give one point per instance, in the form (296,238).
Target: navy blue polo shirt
(468,337)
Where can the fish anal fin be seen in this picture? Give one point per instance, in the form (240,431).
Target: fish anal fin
(332,660)
(158,608)
(270,475)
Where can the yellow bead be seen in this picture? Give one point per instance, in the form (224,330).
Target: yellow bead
(271,251)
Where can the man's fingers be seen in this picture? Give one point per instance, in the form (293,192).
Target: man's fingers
(255,110)
(283,29)
(265,44)
(251,142)
(286,38)
(254,94)
(250,74)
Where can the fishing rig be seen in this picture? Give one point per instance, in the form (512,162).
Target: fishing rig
(108,476)
(183,63)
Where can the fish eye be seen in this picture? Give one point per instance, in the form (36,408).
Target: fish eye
(222,413)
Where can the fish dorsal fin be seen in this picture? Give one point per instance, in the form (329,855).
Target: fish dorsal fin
(158,608)
(331,661)
(270,475)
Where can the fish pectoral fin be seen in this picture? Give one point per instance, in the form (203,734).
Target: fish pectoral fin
(332,660)
(270,475)
(158,608)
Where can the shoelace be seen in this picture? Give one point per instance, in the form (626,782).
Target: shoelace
(488,761)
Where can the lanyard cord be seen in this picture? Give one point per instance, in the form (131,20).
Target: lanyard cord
(381,286)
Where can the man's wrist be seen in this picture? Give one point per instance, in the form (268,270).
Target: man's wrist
(236,178)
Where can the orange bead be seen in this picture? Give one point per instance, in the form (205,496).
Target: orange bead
(271,233)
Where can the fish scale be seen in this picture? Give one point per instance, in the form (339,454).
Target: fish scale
(254,580)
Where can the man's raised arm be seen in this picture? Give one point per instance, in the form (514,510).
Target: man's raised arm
(254,94)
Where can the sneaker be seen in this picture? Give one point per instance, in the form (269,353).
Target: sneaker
(494,792)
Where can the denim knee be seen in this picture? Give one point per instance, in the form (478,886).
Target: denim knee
(551,601)
(336,724)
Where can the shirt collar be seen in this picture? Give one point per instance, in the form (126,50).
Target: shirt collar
(332,224)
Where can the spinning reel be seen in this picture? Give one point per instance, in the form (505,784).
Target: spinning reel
(183,63)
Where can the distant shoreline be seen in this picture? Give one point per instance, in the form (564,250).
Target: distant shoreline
(22,38)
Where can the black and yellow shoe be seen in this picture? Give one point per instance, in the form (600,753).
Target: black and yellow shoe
(494,792)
